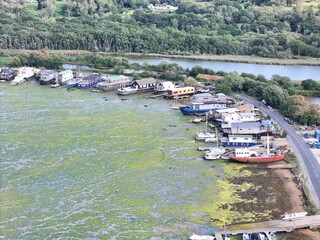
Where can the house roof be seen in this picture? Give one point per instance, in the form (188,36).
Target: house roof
(144,81)
(209,77)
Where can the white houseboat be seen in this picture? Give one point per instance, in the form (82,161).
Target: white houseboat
(239,141)
(65,76)
(109,83)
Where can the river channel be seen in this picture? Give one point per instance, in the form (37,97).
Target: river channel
(293,72)
(86,165)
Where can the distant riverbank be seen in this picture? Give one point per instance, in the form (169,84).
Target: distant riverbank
(225,58)
(234,58)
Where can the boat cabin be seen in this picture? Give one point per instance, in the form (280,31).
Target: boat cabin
(144,84)
(164,86)
(65,76)
(47,76)
(243,128)
(114,82)
(180,92)
(7,74)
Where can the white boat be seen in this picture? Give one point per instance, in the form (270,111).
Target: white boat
(201,237)
(55,85)
(17,80)
(211,139)
(291,216)
(214,153)
(127,91)
(205,134)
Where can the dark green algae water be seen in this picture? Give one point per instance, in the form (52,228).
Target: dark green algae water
(84,165)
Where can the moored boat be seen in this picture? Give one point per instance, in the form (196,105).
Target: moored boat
(109,83)
(89,81)
(47,77)
(201,108)
(239,141)
(7,74)
(214,153)
(74,82)
(292,216)
(248,155)
(127,91)
(201,237)
(17,80)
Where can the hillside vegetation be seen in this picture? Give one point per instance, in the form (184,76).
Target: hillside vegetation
(277,29)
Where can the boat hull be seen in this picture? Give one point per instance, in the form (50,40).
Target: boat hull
(239,144)
(189,110)
(259,159)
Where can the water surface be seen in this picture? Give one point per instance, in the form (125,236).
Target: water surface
(78,164)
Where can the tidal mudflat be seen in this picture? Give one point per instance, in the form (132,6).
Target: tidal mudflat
(80,164)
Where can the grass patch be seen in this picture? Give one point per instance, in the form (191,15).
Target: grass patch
(5,60)
(59,6)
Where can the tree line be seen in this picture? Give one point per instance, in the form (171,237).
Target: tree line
(259,28)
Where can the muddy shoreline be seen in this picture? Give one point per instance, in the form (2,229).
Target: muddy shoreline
(274,191)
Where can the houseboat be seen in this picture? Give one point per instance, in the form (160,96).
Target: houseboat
(163,87)
(89,80)
(74,82)
(65,76)
(180,92)
(23,74)
(142,85)
(201,108)
(7,74)
(244,128)
(47,77)
(109,83)
(239,141)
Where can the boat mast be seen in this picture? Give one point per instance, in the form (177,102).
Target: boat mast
(268,150)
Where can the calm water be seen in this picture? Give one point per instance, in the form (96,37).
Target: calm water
(293,72)
(85,165)
(314,100)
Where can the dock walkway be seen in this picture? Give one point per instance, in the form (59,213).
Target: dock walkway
(270,226)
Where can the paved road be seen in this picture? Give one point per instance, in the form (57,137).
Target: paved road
(309,163)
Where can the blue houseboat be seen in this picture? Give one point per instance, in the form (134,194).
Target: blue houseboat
(90,80)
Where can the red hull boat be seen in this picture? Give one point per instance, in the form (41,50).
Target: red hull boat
(257,159)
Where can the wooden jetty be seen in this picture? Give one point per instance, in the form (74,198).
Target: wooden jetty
(270,226)
(281,166)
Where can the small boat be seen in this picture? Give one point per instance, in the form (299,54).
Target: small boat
(55,85)
(212,156)
(17,80)
(205,134)
(127,91)
(201,237)
(292,216)
(210,139)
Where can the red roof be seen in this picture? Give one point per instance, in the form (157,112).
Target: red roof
(209,77)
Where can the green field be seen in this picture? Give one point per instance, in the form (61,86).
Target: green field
(5,61)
